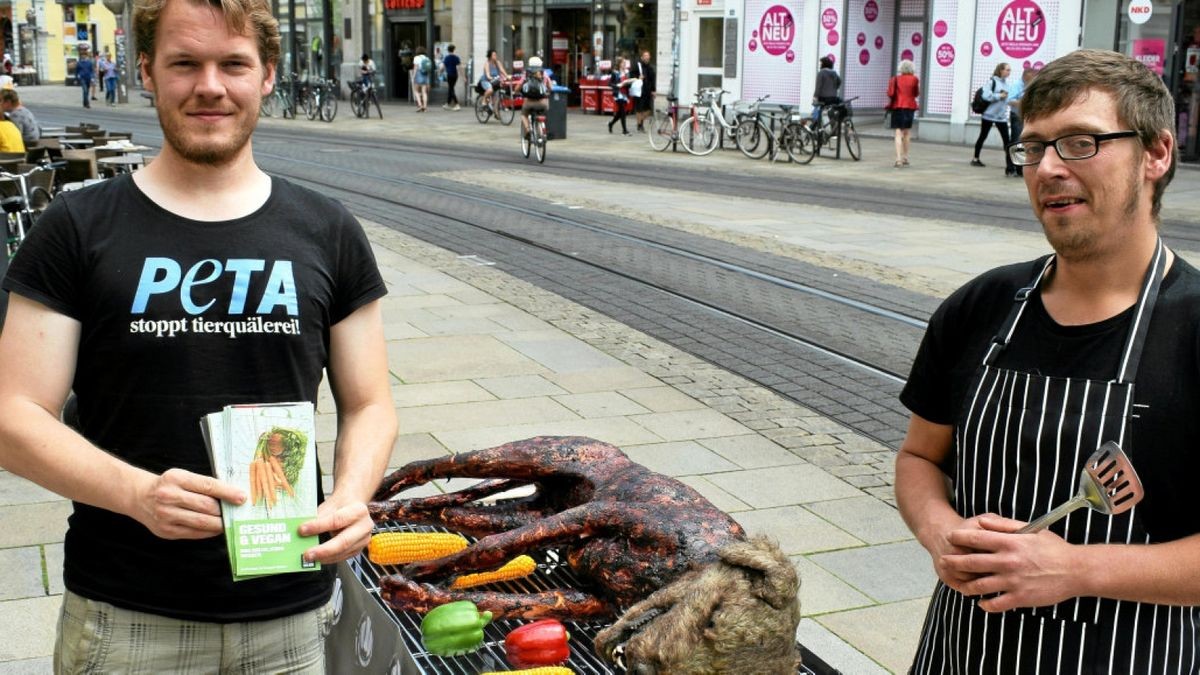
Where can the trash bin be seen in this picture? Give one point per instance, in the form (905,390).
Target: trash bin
(556,116)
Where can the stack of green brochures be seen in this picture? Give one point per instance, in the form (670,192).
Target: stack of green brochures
(270,451)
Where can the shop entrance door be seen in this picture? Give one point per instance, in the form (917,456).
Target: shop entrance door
(406,37)
(570,45)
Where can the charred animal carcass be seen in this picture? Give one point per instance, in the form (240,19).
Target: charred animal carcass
(697,595)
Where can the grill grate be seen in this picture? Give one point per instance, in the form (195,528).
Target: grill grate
(551,573)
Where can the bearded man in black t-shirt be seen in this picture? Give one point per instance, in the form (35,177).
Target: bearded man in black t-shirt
(1029,369)
(159,297)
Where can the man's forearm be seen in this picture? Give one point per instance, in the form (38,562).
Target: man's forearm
(364,445)
(1163,574)
(921,497)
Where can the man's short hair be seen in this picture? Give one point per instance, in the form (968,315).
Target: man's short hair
(1144,103)
(10,96)
(242,16)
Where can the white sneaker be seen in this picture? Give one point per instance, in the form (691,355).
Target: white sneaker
(456,107)
(445,106)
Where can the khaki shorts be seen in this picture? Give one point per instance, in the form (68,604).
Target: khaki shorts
(96,637)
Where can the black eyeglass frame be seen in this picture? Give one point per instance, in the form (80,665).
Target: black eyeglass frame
(1053,143)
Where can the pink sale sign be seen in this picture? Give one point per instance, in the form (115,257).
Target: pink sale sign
(945,55)
(940,28)
(1020,28)
(776,30)
(829,18)
(871,11)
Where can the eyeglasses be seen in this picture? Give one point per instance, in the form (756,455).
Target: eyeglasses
(1070,147)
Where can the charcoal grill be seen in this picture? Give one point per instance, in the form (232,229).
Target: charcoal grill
(384,640)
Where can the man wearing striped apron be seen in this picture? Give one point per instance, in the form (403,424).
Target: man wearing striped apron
(1028,369)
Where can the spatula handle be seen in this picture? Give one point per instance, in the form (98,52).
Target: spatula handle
(1061,511)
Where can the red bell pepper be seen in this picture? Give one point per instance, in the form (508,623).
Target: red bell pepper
(541,643)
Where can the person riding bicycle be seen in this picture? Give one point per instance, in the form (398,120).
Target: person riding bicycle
(535,90)
(493,75)
(366,71)
(826,92)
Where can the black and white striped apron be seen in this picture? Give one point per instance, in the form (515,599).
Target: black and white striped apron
(1019,454)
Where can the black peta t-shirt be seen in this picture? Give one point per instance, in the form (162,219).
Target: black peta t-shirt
(178,319)
(1164,443)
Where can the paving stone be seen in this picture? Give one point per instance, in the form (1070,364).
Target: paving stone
(619,431)
(31,524)
(473,296)
(412,447)
(17,490)
(54,567)
(834,651)
(889,633)
(398,305)
(520,386)
(821,592)
(435,393)
(38,666)
(600,404)
(662,399)
(28,626)
(690,424)
(796,530)
(778,486)
(679,458)
(460,416)
(558,351)
(614,378)
(885,572)
(866,518)
(718,497)
(458,326)
(750,451)
(401,330)
(22,576)
(865,481)
(441,359)
(326,427)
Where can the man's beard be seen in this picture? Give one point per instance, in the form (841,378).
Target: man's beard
(205,151)
(1079,244)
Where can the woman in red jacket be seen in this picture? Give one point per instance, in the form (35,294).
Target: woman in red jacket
(903,90)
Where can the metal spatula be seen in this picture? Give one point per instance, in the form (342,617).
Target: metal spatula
(1107,484)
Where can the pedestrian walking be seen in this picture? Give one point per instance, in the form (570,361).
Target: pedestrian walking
(642,92)
(85,72)
(266,285)
(108,70)
(1029,369)
(903,90)
(996,93)
(619,83)
(450,65)
(422,74)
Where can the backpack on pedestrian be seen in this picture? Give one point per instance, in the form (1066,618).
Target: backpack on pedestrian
(426,67)
(534,87)
(979,104)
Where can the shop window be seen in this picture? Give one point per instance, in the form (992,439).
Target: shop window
(712,42)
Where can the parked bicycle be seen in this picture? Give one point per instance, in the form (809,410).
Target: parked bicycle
(279,101)
(500,105)
(708,126)
(320,100)
(773,133)
(837,128)
(536,138)
(361,98)
(25,201)
(663,129)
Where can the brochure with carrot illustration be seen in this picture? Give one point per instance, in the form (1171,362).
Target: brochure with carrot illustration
(269,451)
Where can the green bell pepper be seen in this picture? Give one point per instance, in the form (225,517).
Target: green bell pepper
(454,628)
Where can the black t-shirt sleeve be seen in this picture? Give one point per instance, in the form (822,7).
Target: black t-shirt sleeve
(48,266)
(358,278)
(927,393)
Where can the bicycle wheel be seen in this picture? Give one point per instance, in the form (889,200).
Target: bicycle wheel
(753,138)
(507,112)
(526,143)
(328,107)
(311,105)
(661,130)
(358,103)
(539,140)
(270,105)
(697,135)
(483,111)
(850,136)
(798,142)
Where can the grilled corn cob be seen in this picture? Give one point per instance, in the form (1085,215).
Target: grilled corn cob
(544,670)
(520,566)
(396,548)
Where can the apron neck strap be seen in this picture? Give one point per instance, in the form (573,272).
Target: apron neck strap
(1001,339)
(1131,355)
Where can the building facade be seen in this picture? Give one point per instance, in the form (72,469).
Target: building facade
(45,38)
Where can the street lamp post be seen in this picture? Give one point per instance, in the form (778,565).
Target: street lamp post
(124,72)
